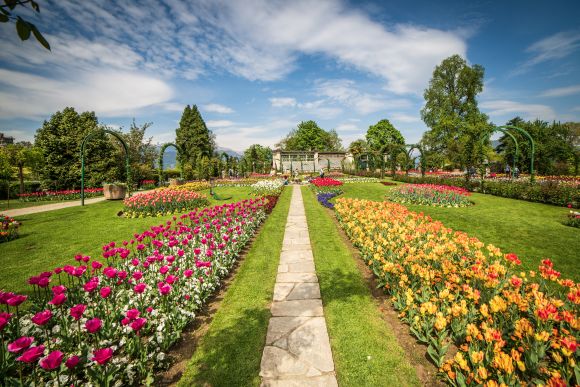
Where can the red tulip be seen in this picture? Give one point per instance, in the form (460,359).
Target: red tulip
(132,314)
(41,318)
(32,354)
(138,324)
(58,289)
(102,356)
(139,288)
(105,292)
(52,361)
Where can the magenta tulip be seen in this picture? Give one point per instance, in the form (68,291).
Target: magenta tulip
(20,344)
(77,311)
(57,300)
(72,362)
(16,300)
(52,361)
(138,324)
(93,325)
(31,354)
(102,356)
(105,292)
(41,318)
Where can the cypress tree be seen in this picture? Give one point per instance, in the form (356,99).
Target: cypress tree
(193,137)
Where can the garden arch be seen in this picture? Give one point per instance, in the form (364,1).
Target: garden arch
(532,147)
(127,164)
(487,135)
(423,159)
(161,153)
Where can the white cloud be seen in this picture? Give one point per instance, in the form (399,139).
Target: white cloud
(110,93)
(501,109)
(554,47)
(561,91)
(348,128)
(217,124)
(403,117)
(344,91)
(217,108)
(240,136)
(576,108)
(283,102)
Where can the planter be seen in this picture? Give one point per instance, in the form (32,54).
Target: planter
(174,182)
(114,191)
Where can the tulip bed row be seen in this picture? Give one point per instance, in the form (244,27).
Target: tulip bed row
(59,195)
(9,228)
(163,202)
(430,195)
(268,187)
(112,321)
(510,327)
(191,186)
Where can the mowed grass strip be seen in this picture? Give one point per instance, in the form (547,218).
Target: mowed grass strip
(51,239)
(230,352)
(533,231)
(364,348)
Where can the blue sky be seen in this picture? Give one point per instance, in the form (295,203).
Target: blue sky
(257,68)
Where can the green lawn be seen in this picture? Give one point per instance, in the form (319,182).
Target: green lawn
(365,350)
(229,353)
(50,239)
(533,231)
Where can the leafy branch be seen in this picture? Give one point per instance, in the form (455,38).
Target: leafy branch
(23,27)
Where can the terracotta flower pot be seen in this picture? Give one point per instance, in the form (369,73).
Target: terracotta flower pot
(114,191)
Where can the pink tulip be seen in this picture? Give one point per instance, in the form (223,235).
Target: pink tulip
(57,300)
(32,354)
(164,289)
(105,292)
(137,275)
(41,318)
(16,300)
(96,265)
(20,344)
(52,361)
(138,324)
(77,311)
(102,356)
(188,273)
(132,314)
(164,269)
(58,289)
(72,362)
(90,286)
(139,288)
(94,325)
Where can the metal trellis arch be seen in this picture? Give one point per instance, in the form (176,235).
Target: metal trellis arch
(127,164)
(506,132)
(532,147)
(160,163)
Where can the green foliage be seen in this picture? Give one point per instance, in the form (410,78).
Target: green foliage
(6,171)
(23,27)
(257,158)
(21,155)
(59,141)
(383,134)
(451,112)
(308,136)
(194,138)
(556,146)
(142,154)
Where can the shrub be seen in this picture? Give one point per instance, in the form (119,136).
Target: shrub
(510,327)
(573,219)
(430,195)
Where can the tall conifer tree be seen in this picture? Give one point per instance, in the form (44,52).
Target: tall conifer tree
(193,137)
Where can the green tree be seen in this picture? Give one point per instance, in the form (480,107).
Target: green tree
(23,27)
(554,143)
(258,157)
(59,141)
(384,138)
(20,156)
(142,154)
(193,137)
(308,136)
(451,111)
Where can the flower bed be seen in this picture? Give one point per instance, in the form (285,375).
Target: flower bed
(430,195)
(148,184)
(324,197)
(355,179)
(9,229)
(573,219)
(71,194)
(551,191)
(509,326)
(165,202)
(112,323)
(325,182)
(235,182)
(191,186)
(268,187)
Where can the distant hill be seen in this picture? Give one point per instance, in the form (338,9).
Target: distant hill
(170,156)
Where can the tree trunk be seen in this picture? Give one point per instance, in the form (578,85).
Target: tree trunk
(21,177)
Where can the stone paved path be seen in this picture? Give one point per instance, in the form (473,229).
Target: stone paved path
(297,351)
